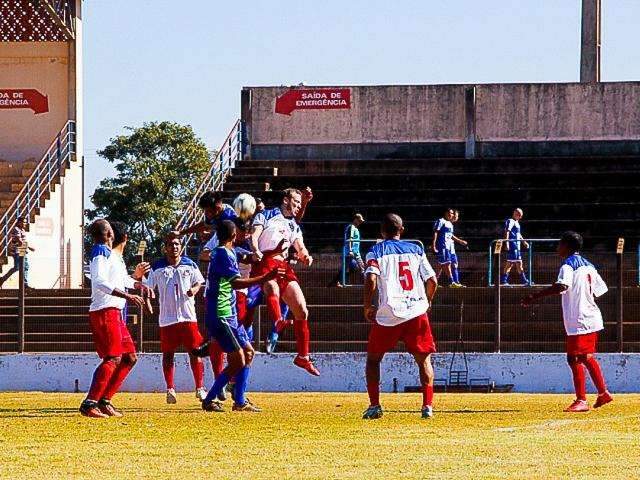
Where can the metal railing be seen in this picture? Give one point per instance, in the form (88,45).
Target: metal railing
(40,183)
(350,242)
(495,249)
(228,156)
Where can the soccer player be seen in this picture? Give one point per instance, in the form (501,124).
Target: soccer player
(215,212)
(579,284)
(178,280)
(455,273)
(350,250)
(513,237)
(18,238)
(222,320)
(443,244)
(110,334)
(406,284)
(269,229)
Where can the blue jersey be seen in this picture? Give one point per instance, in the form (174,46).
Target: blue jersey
(228,213)
(444,229)
(221,296)
(352,233)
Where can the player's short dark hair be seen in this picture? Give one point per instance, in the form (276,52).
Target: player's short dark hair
(391,224)
(448,209)
(573,240)
(98,228)
(225,231)
(288,193)
(209,199)
(120,232)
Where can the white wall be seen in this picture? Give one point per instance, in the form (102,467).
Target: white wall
(344,372)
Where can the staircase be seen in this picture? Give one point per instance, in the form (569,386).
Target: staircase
(26,186)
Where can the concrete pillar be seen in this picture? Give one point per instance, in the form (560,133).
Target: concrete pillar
(470,122)
(591,39)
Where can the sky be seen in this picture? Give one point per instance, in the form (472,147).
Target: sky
(186,61)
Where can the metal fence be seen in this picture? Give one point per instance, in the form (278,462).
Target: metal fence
(492,317)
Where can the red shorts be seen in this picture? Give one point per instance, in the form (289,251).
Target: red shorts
(415,333)
(181,333)
(269,263)
(110,334)
(582,344)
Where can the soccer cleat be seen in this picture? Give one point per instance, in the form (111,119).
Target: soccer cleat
(201,393)
(212,406)
(108,409)
(427,411)
(272,341)
(247,407)
(457,285)
(603,399)
(172,398)
(90,409)
(578,406)
(306,364)
(372,413)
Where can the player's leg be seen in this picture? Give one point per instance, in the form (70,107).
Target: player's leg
(579,384)
(595,372)
(190,338)
(241,402)
(294,298)
(520,269)
(217,356)
(417,337)
(129,359)
(504,279)
(425,369)
(271,291)
(168,371)
(372,373)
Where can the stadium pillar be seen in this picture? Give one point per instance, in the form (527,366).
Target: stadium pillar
(21,302)
(470,122)
(620,299)
(590,42)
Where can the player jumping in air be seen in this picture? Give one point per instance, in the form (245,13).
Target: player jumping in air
(579,284)
(513,237)
(269,229)
(109,281)
(443,244)
(178,280)
(222,320)
(406,284)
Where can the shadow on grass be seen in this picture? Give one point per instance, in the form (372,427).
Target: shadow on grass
(73,412)
(439,412)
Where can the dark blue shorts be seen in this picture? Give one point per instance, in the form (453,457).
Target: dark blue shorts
(444,256)
(514,254)
(230,335)
(454,259)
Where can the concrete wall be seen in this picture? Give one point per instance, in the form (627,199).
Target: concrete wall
(533,372)
(43,66)
(556,112)
(429,120)
(378,114)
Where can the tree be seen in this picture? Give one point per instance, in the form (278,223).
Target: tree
(160,166)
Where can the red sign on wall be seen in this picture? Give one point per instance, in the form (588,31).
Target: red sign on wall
(313,99)
(24,98)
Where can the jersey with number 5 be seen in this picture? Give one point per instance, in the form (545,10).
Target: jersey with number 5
(402,268)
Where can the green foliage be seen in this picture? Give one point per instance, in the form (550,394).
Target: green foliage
(159,165)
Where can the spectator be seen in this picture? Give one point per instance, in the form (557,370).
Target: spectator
(351,251)
(17,239)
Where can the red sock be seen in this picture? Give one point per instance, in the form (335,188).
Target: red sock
(596,373)
(373,389)
(273,307)
(168,371)
(577,369)
(117,378)
(301,330)
(427,395)
(100,380)
(217,358)
(197,367)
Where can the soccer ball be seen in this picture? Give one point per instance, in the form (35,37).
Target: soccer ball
(245,206)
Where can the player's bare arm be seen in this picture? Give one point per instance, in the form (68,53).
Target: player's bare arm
(459,240)
(195,228)
(555,289)
(303,253)
(433,243)
(430,286)
(256,231)
(193,291)
(370,287)
(307,196)
(240,283)
(141,270)
(506,244)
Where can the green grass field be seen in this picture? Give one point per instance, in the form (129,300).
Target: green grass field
(320,436)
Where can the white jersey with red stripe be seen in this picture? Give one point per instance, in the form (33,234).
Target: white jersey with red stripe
(276,227)
(402,269)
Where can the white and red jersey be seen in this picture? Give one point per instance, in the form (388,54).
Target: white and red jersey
(275,228)
(580,313)
(402,268)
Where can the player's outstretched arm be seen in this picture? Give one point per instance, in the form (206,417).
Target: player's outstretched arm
(195,228)
(256,231)
(303,253)
(555,289)
(370,286)
(459,241)
(307,196)
(240,283)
